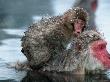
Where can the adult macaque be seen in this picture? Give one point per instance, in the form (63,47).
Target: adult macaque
(49,37)
(87,54)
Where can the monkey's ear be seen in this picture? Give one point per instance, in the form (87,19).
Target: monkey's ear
(64,18)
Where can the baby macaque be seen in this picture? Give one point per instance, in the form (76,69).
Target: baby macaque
(49,37)
(91,7)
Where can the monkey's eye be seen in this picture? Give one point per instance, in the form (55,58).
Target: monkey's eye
(99,47)
(79,21)
(72,23)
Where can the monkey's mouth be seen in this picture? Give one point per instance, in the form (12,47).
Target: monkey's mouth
(76,30)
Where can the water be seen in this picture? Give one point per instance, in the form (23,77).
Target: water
(9,54)
(10,49)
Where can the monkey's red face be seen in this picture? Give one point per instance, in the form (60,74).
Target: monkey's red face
(99,51)
(78,26)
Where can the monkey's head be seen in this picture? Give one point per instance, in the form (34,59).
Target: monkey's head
(93,51)
(72,16)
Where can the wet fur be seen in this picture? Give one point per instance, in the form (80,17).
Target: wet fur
(46,39)
(76,60)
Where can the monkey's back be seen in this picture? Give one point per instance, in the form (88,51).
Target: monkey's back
(43,40)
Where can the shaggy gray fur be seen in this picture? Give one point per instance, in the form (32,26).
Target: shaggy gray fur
(45,43)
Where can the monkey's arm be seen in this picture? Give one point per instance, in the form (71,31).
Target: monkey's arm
(34,46)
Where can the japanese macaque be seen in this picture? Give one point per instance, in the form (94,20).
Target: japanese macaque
(49,37)
(87,54)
